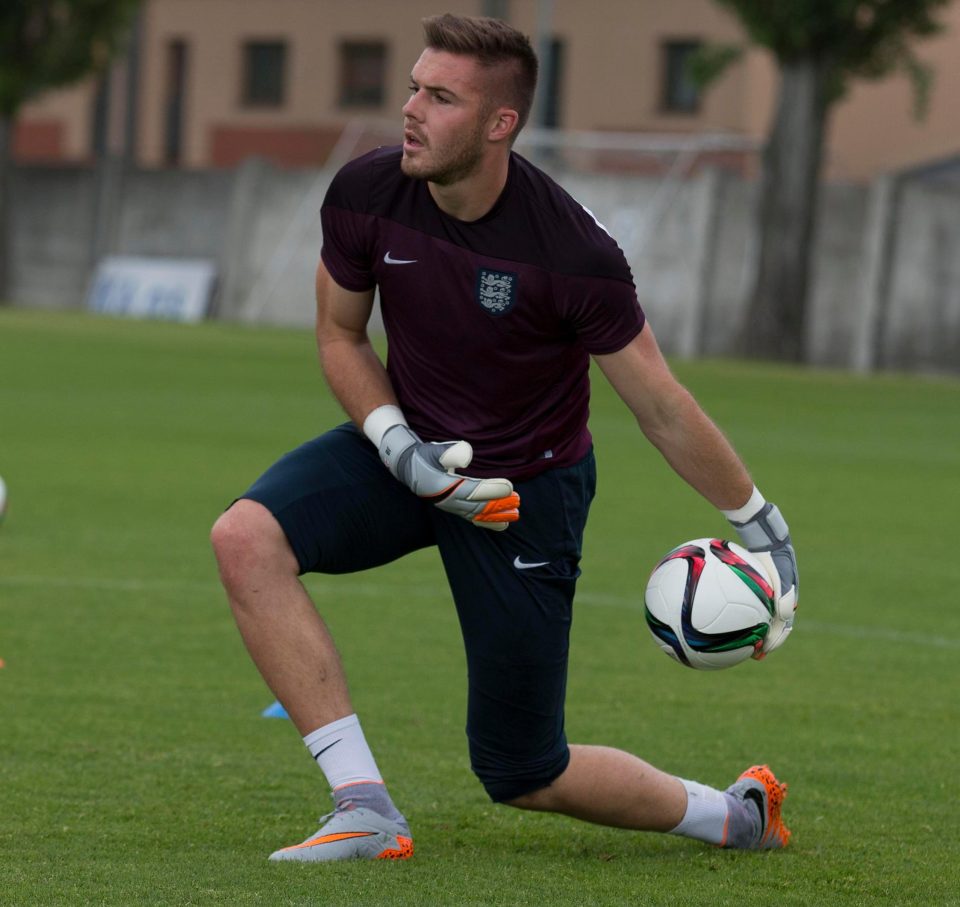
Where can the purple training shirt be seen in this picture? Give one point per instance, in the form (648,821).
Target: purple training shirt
(490,324)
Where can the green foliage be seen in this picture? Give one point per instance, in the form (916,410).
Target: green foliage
(710,61)
(46,44)
(135,767)
(858,38)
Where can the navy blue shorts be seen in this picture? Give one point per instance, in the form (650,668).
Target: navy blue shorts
(342,511)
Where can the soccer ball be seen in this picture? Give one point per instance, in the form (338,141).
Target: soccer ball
(3,499)
(709,604)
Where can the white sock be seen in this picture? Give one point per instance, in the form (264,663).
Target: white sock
(341,751)
(706,815)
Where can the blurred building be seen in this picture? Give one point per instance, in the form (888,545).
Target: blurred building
(207,83)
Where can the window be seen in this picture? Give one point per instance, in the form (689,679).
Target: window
(174,101)
(264,73)
(98,116)
(680,93)
(363,67)
(496,9)
(552,68)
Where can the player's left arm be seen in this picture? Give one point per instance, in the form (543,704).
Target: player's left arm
(699,453)
(674,422)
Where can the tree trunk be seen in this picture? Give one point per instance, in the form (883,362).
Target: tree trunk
(6,150)
(786,214)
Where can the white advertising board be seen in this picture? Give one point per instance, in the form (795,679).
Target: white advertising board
(173,289)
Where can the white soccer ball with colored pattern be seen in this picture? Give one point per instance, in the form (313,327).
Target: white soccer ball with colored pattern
(709,604)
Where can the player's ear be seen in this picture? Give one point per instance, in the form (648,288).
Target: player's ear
(505,122)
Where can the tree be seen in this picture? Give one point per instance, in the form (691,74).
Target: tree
(47,44)
(819,46)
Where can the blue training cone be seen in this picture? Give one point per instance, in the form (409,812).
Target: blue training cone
(274,711)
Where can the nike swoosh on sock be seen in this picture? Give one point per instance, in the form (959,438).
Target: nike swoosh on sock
(328,746)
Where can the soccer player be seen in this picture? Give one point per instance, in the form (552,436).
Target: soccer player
(496,288)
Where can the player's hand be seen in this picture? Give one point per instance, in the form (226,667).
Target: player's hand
(427,469)
(767,536)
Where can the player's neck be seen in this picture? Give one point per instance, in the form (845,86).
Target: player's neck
(471,198)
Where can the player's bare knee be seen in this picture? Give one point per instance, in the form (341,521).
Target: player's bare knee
(245,539)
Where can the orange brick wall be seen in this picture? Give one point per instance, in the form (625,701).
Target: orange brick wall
(281,146)
(37,140)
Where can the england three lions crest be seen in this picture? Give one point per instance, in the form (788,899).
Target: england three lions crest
(496,290)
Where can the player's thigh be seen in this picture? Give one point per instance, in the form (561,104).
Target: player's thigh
(514,593)
(514,589)
(339,507)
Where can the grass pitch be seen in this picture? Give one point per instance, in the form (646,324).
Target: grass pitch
(136,768)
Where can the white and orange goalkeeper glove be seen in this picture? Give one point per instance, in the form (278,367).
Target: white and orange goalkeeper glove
(427,469)
(764,532)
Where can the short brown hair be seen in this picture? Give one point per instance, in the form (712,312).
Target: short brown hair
(490,42)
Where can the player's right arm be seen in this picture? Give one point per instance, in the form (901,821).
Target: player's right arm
(350,364)
(361,384)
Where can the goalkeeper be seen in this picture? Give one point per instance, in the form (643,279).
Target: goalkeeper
(496,289)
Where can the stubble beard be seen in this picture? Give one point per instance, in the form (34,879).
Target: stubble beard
(448,165)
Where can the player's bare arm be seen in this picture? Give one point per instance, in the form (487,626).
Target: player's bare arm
(697,450)
(674,422)
(360,382)
(349,362)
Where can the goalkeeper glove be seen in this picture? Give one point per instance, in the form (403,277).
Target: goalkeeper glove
(427,469)
(765,533)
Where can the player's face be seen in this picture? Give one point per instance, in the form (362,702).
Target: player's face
(446,118)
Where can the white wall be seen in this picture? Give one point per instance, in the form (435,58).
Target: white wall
(689,244)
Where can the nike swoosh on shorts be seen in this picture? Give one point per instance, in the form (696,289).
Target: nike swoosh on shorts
(398,261)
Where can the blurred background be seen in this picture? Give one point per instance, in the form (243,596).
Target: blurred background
(783,178)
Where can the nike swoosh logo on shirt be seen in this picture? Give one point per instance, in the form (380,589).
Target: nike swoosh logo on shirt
(524,565)
(398,261)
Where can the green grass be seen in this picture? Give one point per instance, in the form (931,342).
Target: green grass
(134,766)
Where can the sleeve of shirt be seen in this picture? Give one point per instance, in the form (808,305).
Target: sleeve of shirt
(348,232)
(603,310)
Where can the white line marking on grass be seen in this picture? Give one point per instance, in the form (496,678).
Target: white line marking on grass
(340,587)
(320,586)
(901,637)
(885,635)
(109,584)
